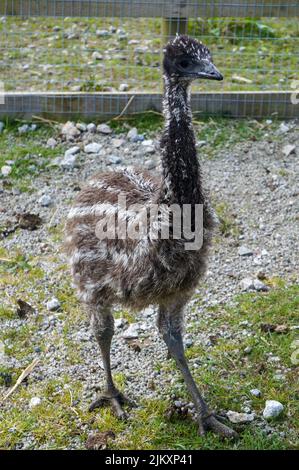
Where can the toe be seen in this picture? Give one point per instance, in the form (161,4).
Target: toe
(221,429)
(98,403)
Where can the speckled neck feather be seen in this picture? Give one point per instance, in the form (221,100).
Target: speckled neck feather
(181,170)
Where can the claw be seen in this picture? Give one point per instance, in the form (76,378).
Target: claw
(219,428)
(115,401)
(209,422)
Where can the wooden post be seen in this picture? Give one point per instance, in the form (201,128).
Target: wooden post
(171,26)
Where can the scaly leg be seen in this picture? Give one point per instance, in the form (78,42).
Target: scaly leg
(170,326)
(103,326)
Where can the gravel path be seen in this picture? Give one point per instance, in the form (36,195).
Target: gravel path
(257,183)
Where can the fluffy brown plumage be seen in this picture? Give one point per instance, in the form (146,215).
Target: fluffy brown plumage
(139,272)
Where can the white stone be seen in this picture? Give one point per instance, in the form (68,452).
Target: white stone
(72,151)
(245,251)
(123,87)
(239,79)
(236,417)
(94,147)
(97,56)
(102,33)
(91,127)
(120,322)
(246,284)
(147,142)
(132,134)
(23,129)
(51,143)
(255,392)
(104,129)
(260,286)
(272,409)
(132,332)
(288,149)
(149,149)
(283,128)
(45,200)
(35,401)
(53,304)
(114,159)
(117,143)
(81,126)
(69,130)
(6,170)
(69,162)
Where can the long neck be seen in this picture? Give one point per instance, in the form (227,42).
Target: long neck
(181,182)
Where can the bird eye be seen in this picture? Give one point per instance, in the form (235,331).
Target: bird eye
(184,63)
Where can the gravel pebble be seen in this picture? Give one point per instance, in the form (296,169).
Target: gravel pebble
(104,129)
(52,143)
(45,200)
(6,170)
(123,87)
(272,409)
(114,159)
(132,134)
(240,418)
(245,251)
(35,401)
(68,162)
(72,151)
(288,149)
(91,127)
(237,177)
(94,147)
(23,129)
(53,304)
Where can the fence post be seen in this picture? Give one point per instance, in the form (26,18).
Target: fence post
(171,26)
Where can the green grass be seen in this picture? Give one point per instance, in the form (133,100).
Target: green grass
(269,59)
(226,374)
(30,156)
(28,152)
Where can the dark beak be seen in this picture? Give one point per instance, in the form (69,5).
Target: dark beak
(206,69)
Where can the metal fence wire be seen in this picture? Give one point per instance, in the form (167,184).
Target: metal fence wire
(54,54)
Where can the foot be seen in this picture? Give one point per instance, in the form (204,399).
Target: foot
(116,400)
(210,422)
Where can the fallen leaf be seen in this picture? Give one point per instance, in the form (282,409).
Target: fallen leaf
(261,368)
(270,328)
(135,345)
(99,440)
(213,339)
(267,327)
(173,410)
(281,329)
(24,309)
(29,221)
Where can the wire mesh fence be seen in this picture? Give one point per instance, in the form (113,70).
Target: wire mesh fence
(114,47)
